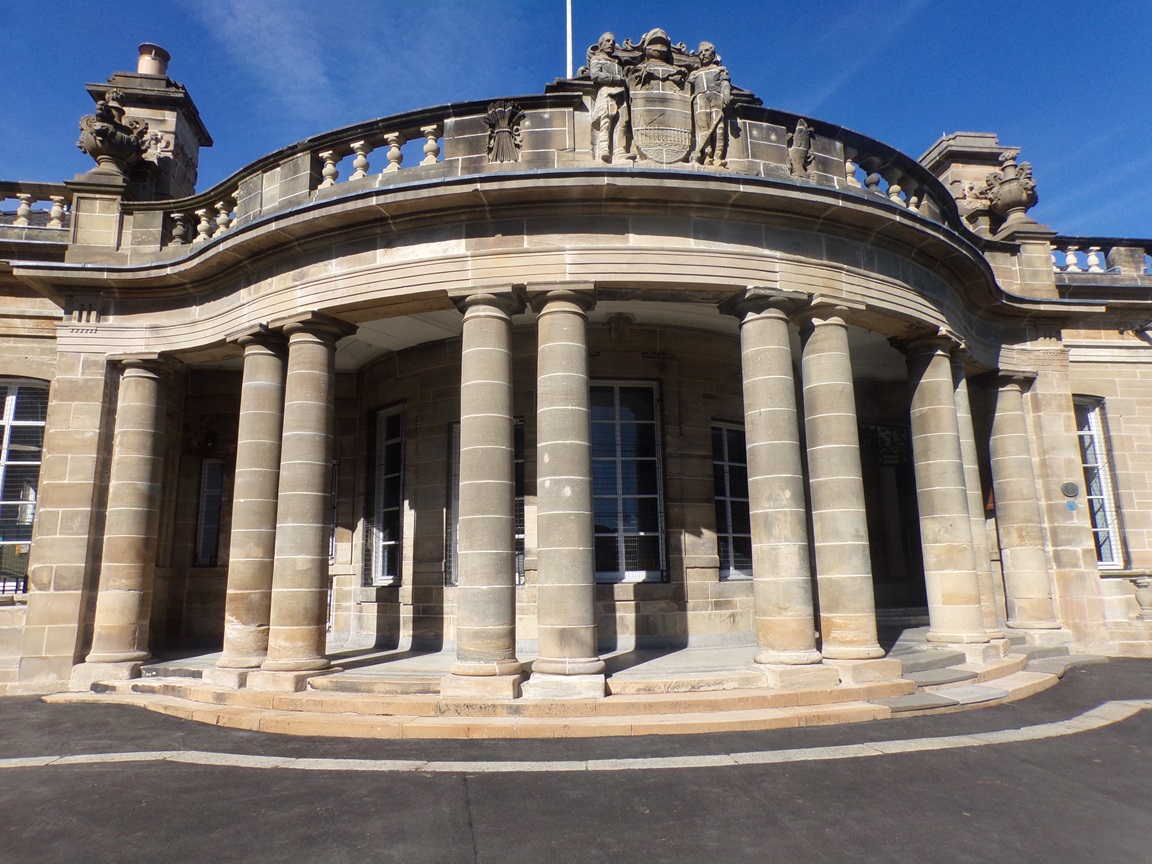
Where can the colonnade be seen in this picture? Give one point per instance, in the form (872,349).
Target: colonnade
(274,636)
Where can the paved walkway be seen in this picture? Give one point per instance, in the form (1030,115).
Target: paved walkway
(1064,776)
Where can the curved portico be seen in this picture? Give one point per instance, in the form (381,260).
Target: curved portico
(537,409)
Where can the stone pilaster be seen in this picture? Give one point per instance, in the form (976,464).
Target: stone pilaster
(980,549)
(839,520)
(1027,588)
(568,662)
(954,609)
(781,571)
(128,563)
(298,615)
(486,661)
(252,553)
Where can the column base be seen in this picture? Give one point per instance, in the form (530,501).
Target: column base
(457,686)
(85,674)
(544,685)
(227,677)
(980,652)
(284,682)
(865,671)
(852,652)
(1048,624)
(783,677)
(567,666)
(486,668)
(768,656)
(253,662)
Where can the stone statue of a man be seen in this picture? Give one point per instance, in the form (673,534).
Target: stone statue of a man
(711,93)
(610,120)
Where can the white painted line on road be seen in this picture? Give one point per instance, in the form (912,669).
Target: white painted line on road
(1097,718)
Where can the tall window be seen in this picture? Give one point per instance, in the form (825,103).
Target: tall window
(453,515)
(733,516)
(208,518)
(24,408)
(1099,489)
(384,534)
(626,490)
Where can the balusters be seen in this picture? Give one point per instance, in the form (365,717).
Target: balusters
(431,145)
(223,216)
(331,172)
(181,228)
(395,141)
(850,169)
(24,210)
(1095,260)
(1071,264)
(203,227)
(360,163)
(56,214)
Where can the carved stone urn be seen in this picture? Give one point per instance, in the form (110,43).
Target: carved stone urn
(1144,596)
(107,138)
(1011,190)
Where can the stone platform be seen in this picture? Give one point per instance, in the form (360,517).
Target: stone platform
(382,694)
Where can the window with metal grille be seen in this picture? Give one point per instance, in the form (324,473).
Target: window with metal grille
(453,515)
(208,518)
(1099,487)
(733,514)
(384,529)
(24,409)
(626,483)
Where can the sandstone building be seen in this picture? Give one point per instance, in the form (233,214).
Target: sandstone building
(637,362)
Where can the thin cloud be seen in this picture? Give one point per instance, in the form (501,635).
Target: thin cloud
(276,42)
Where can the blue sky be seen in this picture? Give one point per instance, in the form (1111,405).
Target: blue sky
(1068,82)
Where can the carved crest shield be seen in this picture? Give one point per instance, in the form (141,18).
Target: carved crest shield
(662,124)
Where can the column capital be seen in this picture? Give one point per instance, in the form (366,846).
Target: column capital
(260,334)
(579,294)
(822,309)
(938,341)
(508,299)
(756,300)
(150,364)
(1020,380)
(315,323)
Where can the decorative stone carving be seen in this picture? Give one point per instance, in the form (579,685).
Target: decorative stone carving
(711,95)
(611,123)
(659,102)
(115,143)
(1144,596)
(800,149)
(1011,190)
(503,120)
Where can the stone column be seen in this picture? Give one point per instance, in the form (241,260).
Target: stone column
(839,520)
(128,563)
(781,571)
(568,663)
(252,551)
(1027,589)
(298,614)
(980,549)
(950,577)
(486,663)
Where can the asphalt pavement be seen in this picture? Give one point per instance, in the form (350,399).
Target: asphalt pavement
(1054,778)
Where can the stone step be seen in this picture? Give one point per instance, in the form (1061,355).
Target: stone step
(921,660)
(1008,688)
(390,685)
(934,677)
(1038,652)
(1061,664)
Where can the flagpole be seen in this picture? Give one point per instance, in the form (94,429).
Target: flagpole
(569,9)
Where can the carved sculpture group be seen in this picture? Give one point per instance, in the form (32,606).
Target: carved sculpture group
(658,103)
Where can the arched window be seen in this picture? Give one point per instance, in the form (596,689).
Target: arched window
(25,406)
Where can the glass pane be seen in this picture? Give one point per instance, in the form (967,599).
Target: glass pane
(392,426)
(603,477)
(742,554)
(1093,483)
(25,443)
(607,555)
(638,440)
(1104,553)
(1088,446)
(3,400)
(719,481)
(737,450)
(636,403)
(737,481)
(717,444)
(16,522)
(20,483)
(741,520)
(725,554)
(392,457)
(722,526)
(639,478)
(31,404)
(603,403)
(391,496)
(603,439)
(647,515)
(605,515)
(644,553)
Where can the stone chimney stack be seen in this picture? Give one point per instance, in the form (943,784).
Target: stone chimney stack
(175,134)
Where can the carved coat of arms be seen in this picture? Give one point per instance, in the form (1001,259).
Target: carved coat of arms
(658,102)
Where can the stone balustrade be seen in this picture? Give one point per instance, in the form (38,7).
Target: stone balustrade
(1101,255)
(551,132)
(34,205)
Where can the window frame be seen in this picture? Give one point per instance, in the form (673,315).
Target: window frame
(725,540)
(25,506)
(377,574)
(1092,425)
